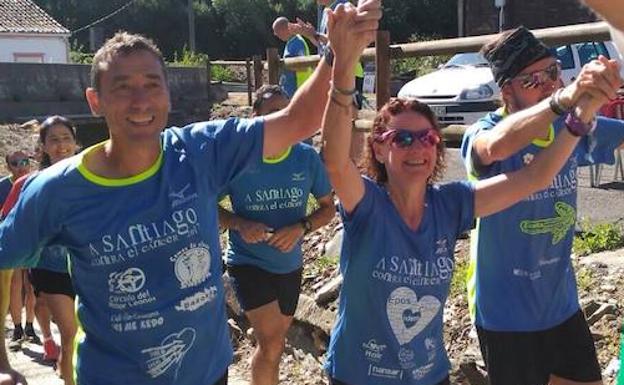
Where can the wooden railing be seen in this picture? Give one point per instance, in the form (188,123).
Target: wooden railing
(384,52)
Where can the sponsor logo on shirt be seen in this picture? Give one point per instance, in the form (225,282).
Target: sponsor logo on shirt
(441,247)
(127,281)
(298,176)
(126,289)
(192,265)
(408,316)
(564,184)
(170,353)
(197,300)
(373,351)
(127,322)
(377,371)
(558,226)
(420,373)
(182,196)
(527,158)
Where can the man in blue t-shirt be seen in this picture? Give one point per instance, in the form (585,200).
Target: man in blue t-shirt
(521,285)
(138,215)
(295,46)
(266,227)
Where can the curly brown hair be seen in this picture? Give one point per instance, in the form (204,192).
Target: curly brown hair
(395,106)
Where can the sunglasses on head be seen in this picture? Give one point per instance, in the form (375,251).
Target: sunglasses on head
(402,138)
(537,78)
(24,162)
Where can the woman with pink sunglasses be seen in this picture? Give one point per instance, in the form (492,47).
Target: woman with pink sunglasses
(400,231)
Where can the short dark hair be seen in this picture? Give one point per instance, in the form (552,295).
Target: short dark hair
(266,92)
(122,44)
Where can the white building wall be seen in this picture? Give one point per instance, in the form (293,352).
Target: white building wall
(54,49)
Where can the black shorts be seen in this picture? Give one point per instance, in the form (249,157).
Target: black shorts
(333,381)
(529,358)
(51,282)
(256,287)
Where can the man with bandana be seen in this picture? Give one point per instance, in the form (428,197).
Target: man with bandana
(521,284)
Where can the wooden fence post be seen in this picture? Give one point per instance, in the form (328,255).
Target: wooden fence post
(274,63)
(209,78)
(382,67)
(249,83)
(257,65)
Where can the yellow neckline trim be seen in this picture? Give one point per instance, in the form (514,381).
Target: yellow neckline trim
(153,169)
(536,142)
(278,158)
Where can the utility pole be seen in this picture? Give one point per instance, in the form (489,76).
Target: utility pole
(191,25)
(460,18)
(500,4)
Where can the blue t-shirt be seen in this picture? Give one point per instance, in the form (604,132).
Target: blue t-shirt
(5,187)
(53,258)
(295,46)
(145,254)
(396,281)
(275,193)
(521,277)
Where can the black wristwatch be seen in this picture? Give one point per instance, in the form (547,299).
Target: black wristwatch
(306,224)
(555,103)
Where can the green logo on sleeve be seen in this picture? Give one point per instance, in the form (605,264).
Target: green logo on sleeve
(558,226)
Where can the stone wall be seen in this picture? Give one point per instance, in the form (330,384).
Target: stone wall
(38,90)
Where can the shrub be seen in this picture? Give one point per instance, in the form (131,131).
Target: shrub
(595,238)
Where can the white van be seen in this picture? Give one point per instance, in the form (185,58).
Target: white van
(463,90)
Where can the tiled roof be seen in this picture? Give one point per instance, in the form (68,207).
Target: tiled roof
(24,16)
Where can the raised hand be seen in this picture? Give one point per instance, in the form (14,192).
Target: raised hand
(302,27)
(352,29)
(600,83)
(599,79)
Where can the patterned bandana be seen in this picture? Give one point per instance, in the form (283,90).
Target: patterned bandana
(518,51)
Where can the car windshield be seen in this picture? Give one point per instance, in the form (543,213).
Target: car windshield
(466,59)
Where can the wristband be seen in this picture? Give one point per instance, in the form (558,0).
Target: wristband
(342,91)
(577,127)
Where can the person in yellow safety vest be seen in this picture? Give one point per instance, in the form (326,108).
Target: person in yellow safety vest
(296,45)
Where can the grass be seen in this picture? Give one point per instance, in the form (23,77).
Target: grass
(460,276)
(584,279)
